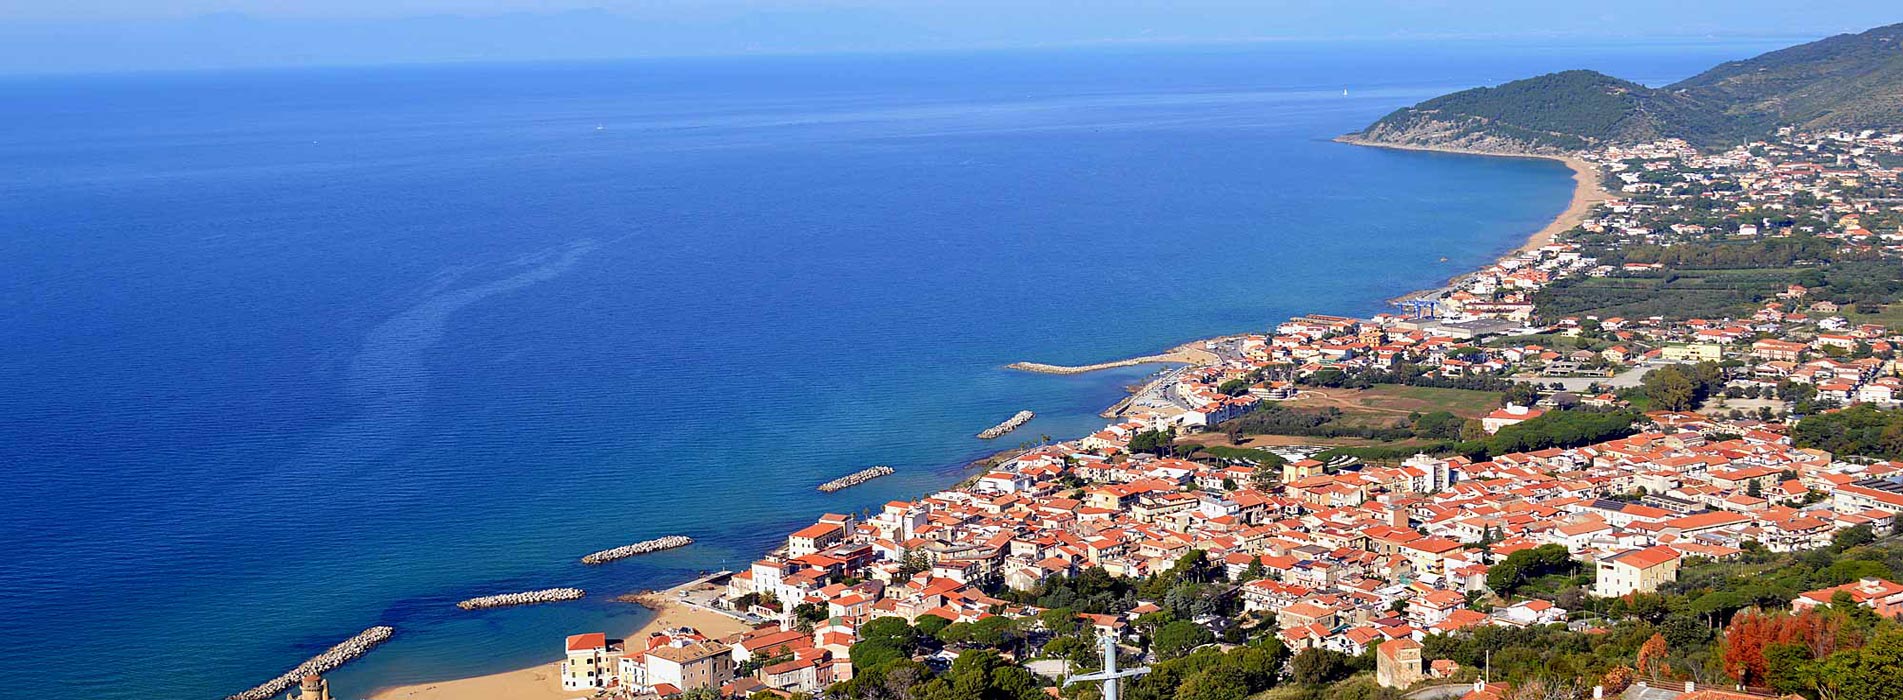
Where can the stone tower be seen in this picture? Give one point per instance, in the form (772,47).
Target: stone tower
(313,688)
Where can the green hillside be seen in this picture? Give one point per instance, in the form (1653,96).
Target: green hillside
(1849,81)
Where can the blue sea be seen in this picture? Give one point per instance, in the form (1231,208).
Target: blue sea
(287,354)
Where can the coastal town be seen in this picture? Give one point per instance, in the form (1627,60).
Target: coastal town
(1684,446)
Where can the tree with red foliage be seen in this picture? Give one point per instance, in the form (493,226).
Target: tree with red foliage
(1652,656)
(1750,632)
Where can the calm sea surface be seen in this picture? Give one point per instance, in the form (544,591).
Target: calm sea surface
(287,354)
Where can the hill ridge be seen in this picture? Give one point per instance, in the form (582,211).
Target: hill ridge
(1848,81)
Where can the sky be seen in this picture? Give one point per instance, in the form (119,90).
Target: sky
(58,36)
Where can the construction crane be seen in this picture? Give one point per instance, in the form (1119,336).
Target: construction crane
(1110,674)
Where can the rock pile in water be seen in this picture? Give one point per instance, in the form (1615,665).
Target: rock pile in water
(546,595)
(1008,425)
(320,664)
(855,478)
(654,545)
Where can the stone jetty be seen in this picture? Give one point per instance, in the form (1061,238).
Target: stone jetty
(546,595)
(855,478)
(320,664)
(654,545)
(1008,425)
(1042,368)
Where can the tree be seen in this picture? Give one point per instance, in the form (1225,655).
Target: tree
(1157,442)
(1528,564)
(1862,429)
(1751,633)
(1439,425)
(1854,536)
(1874,672)
(993,631)
(1014,683)
(1059,621)
(1192,566)
(1254,570)
(1177,638)
(809,613)
(1652,655)
(1787,667)
(1618,679)
(892,630)
(931,625)
(1521,394)
(1265,477)
(1220,682)
(1670,389)
(912,564)
(867,656)
(1314,666)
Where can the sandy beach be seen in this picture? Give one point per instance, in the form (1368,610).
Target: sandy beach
(1588,192)
(539,682)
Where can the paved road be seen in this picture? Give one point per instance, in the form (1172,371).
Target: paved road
(1440,692)
(1159,394)
(1628,378)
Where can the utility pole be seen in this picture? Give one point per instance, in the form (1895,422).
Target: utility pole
(1109,675)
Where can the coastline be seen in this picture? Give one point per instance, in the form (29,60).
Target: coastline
(540,682)
(1588,192)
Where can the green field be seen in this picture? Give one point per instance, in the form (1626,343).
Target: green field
(1669,293)
(1460,402)
(1891,316)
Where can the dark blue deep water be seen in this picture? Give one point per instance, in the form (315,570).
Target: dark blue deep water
(287,354)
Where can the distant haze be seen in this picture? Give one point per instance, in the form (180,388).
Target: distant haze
(114,35)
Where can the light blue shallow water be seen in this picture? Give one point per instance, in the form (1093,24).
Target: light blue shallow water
(288,354)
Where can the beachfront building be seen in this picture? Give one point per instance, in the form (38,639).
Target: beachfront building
(590,663)
(703,664)
(812,538)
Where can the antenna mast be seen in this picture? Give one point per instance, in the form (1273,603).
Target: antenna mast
(1109,675)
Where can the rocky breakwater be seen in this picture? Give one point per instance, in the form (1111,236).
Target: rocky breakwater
(654,545)
(1042,368)
(320,664)
(1008,425)
(855,478)
(546,595)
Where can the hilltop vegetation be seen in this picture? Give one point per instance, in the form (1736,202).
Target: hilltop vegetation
(1843,82)
(1551,113)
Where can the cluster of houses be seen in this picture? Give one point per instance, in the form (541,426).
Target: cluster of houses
(1757,190)
(1343,559)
